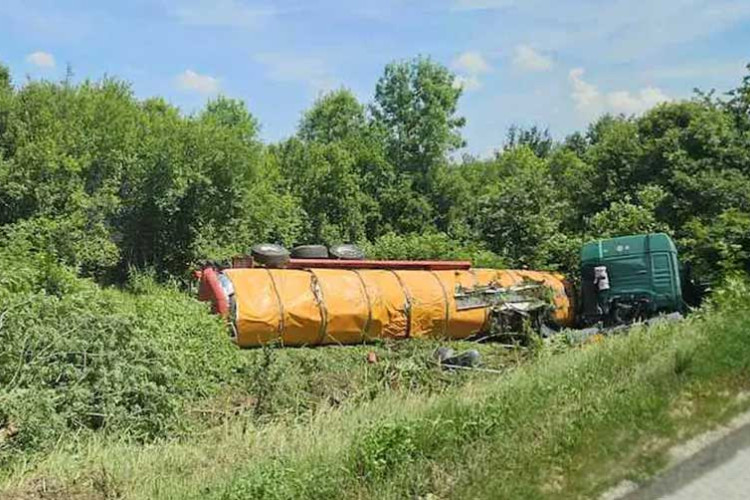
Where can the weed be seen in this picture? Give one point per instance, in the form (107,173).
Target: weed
(683,359)
(106,485)
(382,448)
(264,380)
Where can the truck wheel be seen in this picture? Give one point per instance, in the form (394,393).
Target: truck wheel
(270,255)
(310,252)
(346,252)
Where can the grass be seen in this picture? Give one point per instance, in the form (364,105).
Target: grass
(298,382)
(566,425)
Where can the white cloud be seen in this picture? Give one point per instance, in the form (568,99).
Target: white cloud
(222,13)
(528,59)
(41,59)
(471,62)
(623,101)
(591,102)
(290,68)
(468,83)
(585,95)
(191,81)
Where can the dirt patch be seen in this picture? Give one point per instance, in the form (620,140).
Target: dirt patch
(682,409)
(686,450)
(555,482)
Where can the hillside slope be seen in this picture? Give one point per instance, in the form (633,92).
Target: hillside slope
(323,423)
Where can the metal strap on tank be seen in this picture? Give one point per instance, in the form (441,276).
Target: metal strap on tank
(513,274)
(445,301)
(486,310)
(408,304)
(474,275)
(320,298)
(278,299)
(366,329)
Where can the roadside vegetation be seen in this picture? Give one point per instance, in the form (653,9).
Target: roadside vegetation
(116,383)
(564,422)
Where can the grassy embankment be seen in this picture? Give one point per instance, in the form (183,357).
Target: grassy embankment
(325,424)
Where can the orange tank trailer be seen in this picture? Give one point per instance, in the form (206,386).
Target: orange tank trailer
(317,306)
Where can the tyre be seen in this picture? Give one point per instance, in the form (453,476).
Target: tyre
(346,252)
(443,353)
(270,255)
(310,252)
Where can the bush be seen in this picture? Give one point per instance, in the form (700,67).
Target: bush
(70,240)
(437,246)
(79,357)
(384,448)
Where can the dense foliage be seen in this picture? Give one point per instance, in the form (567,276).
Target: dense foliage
(103,181)
(77,357)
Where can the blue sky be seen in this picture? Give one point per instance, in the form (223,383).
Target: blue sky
(544,62)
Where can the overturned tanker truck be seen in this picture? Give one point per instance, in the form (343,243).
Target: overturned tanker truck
(349,300)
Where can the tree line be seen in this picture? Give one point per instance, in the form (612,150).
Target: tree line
(102,181)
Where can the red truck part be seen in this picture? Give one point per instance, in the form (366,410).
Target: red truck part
(398,265)
(210,290)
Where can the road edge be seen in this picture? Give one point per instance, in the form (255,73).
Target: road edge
(688,461)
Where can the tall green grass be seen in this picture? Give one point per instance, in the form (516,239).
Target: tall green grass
(562,426)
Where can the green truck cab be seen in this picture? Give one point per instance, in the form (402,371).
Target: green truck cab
(629,278)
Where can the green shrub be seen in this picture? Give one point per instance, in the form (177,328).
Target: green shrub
(430,246)
(71,240)
(280,479)
(383,448)
(79,357)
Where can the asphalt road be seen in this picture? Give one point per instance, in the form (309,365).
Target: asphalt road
(720,471)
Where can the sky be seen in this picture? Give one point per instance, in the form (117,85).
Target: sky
(556,64)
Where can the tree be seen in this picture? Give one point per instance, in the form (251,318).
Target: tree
(623,218)
(573,180)
(616,155)
(6,102)
(335,116)
(738,104)
(96,178)
(577,143)
(4,77)
(538,140)
(324,180)
(719,246)
(404,209)
(102,181)
(415,107)
(231,114)
(519,215)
